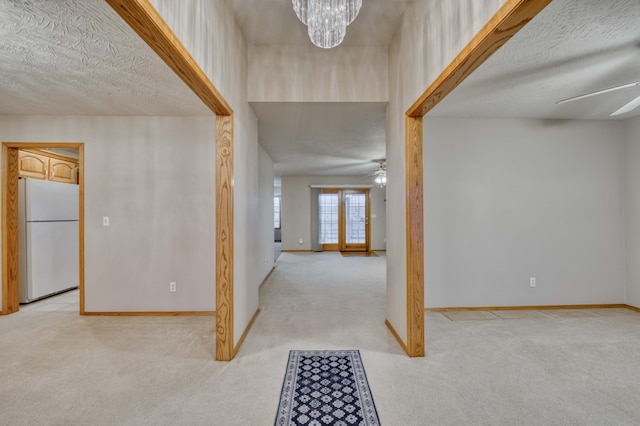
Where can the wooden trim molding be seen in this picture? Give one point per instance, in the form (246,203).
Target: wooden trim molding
(633,308)
(145,20)
(10,262)
(81,223)
(414,237)
(273,268)
(10,251)
(246,331)
(508,20)
(396,335)
(224,238)
(527,308)
(153,314)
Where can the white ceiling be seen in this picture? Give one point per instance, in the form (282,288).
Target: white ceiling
(78,57)
(571,48)
(322,138)
(274,22)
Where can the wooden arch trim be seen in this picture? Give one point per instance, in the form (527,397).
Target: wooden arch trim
(507,21)
(145,20)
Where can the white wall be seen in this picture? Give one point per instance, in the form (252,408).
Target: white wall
(632,192)
(265,213)
(430,35)
(210,33)
(308,74)
(154,177)
(296,209)
(509,199)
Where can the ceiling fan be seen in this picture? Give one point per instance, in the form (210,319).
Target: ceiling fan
(380,173)
(624,109)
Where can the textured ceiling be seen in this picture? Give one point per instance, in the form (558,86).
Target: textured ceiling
(274,22)
(322,138)
(72,57)
(571,48)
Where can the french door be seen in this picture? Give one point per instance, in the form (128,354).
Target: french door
(344,219)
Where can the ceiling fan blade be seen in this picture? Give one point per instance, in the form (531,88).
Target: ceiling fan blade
(599,92)
(628,107)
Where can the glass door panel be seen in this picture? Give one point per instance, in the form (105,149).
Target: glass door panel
(329,202)
(355,220)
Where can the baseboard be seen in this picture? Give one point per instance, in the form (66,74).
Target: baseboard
(246,331)
(527,308)
(153,314)
(296,251)
(267,277)
(397,336)
(633,308)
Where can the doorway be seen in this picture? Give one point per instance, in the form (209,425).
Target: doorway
(10,220)
(344,219)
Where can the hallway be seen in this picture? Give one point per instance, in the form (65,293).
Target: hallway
(323,301)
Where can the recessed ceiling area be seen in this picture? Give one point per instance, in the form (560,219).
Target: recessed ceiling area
(572,47)
(320,138)
(273,22)
(78,57)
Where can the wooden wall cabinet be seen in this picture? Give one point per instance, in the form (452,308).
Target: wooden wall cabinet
(62,171)
(46,166)
(33,165)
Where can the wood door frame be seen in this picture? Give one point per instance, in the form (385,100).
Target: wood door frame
(512,16)
(10,242)
(342,222)
(145,20)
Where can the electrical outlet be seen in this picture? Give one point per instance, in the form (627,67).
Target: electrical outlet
(172,287)
(105,220)
(300,241)
(532,282)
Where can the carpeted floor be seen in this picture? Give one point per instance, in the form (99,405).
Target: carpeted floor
(504,368)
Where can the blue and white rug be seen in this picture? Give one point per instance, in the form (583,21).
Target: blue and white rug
(326,388)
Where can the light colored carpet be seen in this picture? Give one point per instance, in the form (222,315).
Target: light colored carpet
(59,368)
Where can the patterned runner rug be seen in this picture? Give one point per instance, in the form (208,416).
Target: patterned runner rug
(326,388)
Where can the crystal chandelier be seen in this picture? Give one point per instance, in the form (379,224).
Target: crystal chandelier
(327,20)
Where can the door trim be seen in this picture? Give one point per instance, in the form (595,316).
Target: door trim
(10,251)
(145,20)
(512,16)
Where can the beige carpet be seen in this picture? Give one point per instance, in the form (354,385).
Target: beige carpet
(547,368)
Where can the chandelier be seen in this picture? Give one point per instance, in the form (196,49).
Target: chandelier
(327,20)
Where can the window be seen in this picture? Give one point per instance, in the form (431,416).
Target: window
(276,212)
(328,218)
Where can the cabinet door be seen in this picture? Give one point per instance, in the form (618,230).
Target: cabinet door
(33,165)
(62,171)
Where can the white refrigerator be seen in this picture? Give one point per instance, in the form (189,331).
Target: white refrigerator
(48,231)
